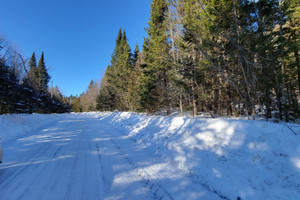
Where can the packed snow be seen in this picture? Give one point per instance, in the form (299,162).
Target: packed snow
(119,155)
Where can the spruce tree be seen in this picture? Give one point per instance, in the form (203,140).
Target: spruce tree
(135,54)
(32,78)
(117,49)
(155,90)
(125,56)
(116,77)
(104,99)
(123,73)
(42,75)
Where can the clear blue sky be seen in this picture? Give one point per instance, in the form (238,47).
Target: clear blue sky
(77,37)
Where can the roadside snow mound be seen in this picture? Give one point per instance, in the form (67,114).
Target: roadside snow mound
(17,125)
(249,159)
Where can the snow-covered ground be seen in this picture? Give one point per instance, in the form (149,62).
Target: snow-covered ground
(15,126)
(135,156)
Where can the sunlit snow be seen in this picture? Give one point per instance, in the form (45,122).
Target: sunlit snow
(115,155)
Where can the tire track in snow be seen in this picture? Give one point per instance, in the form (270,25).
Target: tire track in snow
(29,164)
(73,174)
(193,177)
(196,180)
(55,153)
(38,169)
(12,176)
(101,164)
(157,190)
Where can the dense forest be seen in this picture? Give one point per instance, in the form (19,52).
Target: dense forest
(24,84)
(225,57)
(217,57)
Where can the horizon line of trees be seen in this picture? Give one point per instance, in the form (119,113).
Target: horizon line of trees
(24,85)
(86,102)
(225,57)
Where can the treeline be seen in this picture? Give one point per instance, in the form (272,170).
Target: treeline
(86,102)
(24,85)
(223,57)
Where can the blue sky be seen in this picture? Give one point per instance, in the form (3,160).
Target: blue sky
(77,37)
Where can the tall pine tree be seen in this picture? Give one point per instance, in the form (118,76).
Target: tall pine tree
(32,73)
(117,80)
(42,75)
(155,92)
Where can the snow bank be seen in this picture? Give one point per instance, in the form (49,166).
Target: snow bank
(17,125)
(249,159)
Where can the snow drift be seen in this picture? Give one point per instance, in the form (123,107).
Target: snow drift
(231,157)
(16,125)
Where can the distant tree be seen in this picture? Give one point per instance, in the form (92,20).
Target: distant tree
(87,101)
(135,54)
(117,75)
(42,75)
(76,106)
(105,99)
(56,93)
(31,78)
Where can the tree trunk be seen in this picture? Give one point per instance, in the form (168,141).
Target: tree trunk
(283,96)
(228,103)
(180,104)
(298,66)
(240,57)
(166,91)
(195,111)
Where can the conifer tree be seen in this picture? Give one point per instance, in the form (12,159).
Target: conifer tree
(21,97)
(42,75)
(105,99)
(117,49)
(32,78)
(134,81)
(135,54)
(125,57)
(76,106)
(123,73)
(117,77)
(110,78)
(155,92)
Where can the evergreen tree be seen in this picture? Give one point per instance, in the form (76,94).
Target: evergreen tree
(155,92)
(76,106)
(135,54)
(117,49)
(32,78)
(16,97)
(125,56)
(117,76)
(119,88)
(122,73)
(105,98)
(42,75)
(134,81)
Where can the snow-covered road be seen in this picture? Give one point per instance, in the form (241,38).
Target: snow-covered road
(82,157)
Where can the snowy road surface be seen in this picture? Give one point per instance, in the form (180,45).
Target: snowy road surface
(82,157)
